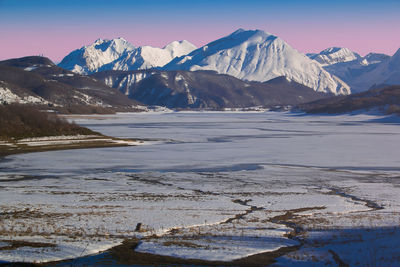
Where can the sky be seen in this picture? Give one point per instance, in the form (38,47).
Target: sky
(56,27)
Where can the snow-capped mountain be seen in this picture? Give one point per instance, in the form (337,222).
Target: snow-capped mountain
(89,59)
(349,66)
(146,57)
(259,56)
(334,55)
(118,54)
(373,58)
(386,72)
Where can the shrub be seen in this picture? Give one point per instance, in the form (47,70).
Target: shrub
(21,121)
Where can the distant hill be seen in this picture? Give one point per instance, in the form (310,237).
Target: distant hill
(37,80)
(205,89)
(385,99)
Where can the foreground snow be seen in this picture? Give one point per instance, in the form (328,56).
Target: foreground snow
(222,186)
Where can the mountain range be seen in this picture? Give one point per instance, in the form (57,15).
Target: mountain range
(360,73)
(247,55)
(118,54)
(245,68)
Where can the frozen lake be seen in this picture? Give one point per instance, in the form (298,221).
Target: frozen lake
(213,186)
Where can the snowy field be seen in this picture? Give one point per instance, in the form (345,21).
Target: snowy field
(214,186)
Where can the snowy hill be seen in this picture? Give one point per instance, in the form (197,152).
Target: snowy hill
(118,54)
(334,55)
(259,56)
(350,67)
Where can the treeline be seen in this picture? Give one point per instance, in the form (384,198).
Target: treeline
(22,121)
(385,99)
(83,109)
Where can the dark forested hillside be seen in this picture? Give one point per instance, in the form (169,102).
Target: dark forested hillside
(20,121)
(385,99)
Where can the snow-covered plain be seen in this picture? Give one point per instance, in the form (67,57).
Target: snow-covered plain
(214,186)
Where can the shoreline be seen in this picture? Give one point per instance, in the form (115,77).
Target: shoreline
(54,143)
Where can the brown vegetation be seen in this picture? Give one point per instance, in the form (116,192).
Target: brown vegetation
(84,109)
(22,121)
(386,99)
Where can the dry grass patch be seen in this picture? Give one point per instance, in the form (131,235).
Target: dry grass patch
(14,244)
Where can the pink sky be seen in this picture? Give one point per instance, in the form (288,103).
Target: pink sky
(56,45)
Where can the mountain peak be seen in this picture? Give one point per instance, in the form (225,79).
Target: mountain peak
(240,30)
(181,43)
(397,54)
(119,54)
(258,56)
(333,55)
(89,58)
(99,41)
(333,49)
(249,33)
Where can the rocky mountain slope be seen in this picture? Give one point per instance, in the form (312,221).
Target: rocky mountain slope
(350,66)
(386,72)
(118,54)
(259,56)
(205,89)
(334,55)
(38,80)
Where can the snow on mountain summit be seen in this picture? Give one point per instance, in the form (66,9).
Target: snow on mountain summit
(119,54)
(90,58)
(334,55)
(387,72)
(259,56)
(146,57)
(358,72)
(179,48)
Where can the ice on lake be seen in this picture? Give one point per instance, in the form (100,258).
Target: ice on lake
(212,185)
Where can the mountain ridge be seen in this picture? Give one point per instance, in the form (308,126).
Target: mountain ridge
(205,89)
(361,73)
(119,54)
